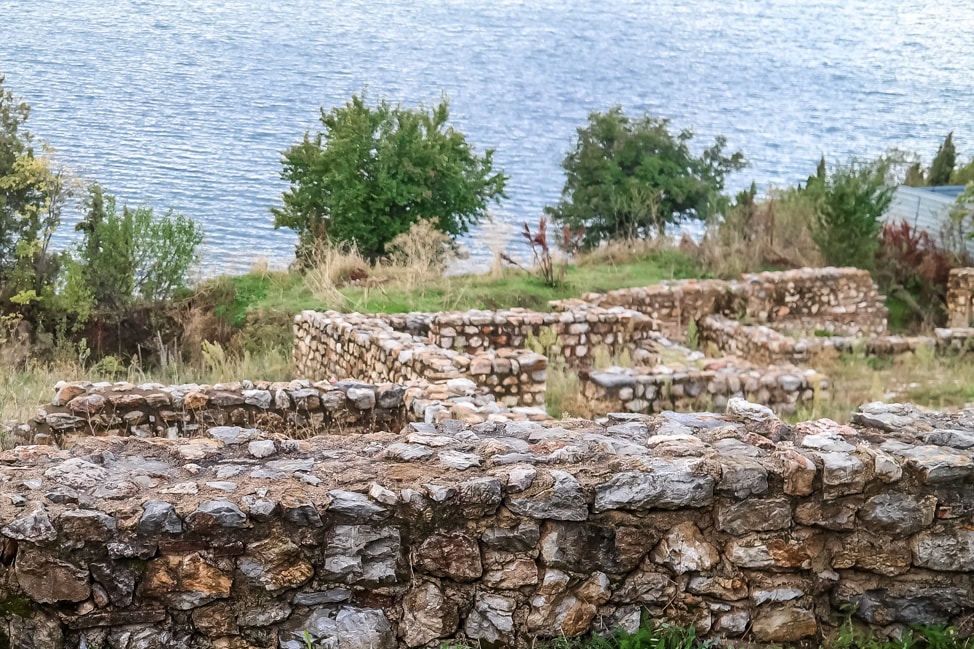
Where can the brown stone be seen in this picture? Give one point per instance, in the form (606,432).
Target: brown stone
(47,579)
(428,615)
(195,400)
(784,625)
(184,581)
(454,556)
(275,564)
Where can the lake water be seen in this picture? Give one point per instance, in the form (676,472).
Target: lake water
(188,103)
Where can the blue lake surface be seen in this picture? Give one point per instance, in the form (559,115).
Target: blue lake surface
(189,103)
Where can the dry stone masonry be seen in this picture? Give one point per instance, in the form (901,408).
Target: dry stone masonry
(960,298)
(491,534)
(840,301)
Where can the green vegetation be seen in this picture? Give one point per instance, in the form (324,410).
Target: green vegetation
(375,171)
(629,178)
(853,198)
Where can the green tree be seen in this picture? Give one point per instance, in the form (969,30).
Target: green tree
(33,193)
(943,163)
(852,200)
(129,255)
(631,177)
(373,171)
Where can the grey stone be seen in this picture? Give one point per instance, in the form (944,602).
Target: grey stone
(669,486)
(842,474)
(949,550)
(361,554)
(743,410)
(218,513)
(350,628)
(407,452)
(261,448)
(458,460)
(741,477)
(356,505)
(961,439)
(291,466)
(522,538)
(34,527)
(829,442)
(899,514)
(479,497)
(233,435)
(565,500)
(492,619)
(317,598)
(117,579)
(264,615)
(260,398)
(520,478)
(361,398)
(78,474)
(754,515)
(936,464)
(159,517)
(222,486)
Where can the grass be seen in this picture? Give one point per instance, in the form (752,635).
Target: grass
(848,636)
(933,381)
(398,291)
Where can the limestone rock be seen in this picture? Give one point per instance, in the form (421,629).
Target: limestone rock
(184,581)
(669,486)
(35,527)
(454,556)
(945,550)
(275,564)
(492,619)
(427,615)
(899,514)
(684,549)
(565,500)
(784,624)
(77,474)
(48,580)
(522,538)
(754,515)
(87,525)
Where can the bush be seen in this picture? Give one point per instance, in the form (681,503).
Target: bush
(629,178)
(375,171)
(129,256)
(852,199)
(913,270)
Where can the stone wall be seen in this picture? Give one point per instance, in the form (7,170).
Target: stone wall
(761,344)
(492,534)
(960,297)
(577,331)
(837,300)
(687,387)
(342,345)
(296,408)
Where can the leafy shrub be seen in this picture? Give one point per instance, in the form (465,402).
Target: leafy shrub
(630,177)
(374,171)
(912,268)
(853,198)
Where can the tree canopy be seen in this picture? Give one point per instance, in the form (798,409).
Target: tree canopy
(630,177)
(373,171)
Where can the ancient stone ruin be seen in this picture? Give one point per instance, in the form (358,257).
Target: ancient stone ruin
(409,490)
(490,534)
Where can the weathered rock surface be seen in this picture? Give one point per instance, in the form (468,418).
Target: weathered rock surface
(347,538)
